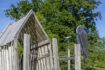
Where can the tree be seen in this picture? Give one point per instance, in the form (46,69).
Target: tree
(66,14)
(19,10)
(60,19)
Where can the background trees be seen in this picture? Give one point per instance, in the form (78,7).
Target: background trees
(60,19)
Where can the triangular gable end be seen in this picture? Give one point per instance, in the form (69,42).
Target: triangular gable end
(27,17)
(12,32)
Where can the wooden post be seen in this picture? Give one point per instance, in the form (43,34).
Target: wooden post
(26,52)
(77,57)
(68,59)
(16,54)
(6,56)
(3,58)
(47,58)
(55,54)
(0,58)
(51,56)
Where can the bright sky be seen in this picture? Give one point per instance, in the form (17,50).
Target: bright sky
(101,23)
(4,21)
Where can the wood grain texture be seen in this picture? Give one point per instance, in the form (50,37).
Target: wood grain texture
(55,54)
(77,57)
(26,52)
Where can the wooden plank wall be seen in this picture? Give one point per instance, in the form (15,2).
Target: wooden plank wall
(7,58)
(48,57)
(44,59)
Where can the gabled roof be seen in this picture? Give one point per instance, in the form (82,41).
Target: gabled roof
(12,31)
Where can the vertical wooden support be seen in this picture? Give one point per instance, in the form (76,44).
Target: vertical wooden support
(42,67)
(3,65)
(77,57)
(0,58)
(26,52)
(55,54)
(9,57)
(7,64)
(68,59)
(44,59)
(51,56)
(42,63)
(4,58)
(16,54)
(39,61)
(13,56)
(12,61)
(47,58)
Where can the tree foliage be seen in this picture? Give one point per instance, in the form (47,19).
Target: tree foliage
(60,19)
